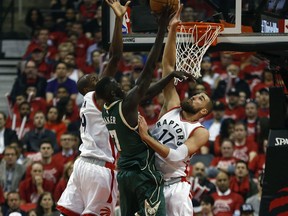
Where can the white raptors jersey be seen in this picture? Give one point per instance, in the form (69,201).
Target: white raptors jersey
(172,131)
(94,134)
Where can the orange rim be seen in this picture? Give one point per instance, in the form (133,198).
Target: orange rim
(201,26)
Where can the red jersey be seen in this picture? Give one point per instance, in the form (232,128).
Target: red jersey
(57,128)
(52,172)
(63,159)
(242,152)
(226,203)
(236,113)
(222,162)
(257,165)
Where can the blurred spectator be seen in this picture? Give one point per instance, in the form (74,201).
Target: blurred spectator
(203,156)
(226,202)
(266,82)
(13,204)
(27,78)
(59,9)
(200,185)
(22,123)
(207,203)
(220,67)
(22,157)
(61,93)
(242,98)
(213,125)
(68,153)
(61,79)
(252,120)
(32,139)
(30,189)
(87,10)
(34,20)
(73,72)
(53,170)
(79,40)
(188,14)
(37,103)
(256,199)
(208,74)
(149,111)
(11,172)
(257,164)
(241,182)
(252,69)
(231,81)
(46,205)
(226,131)
(126,83)
(246,210)
(54,123)
(245,147)
(7,135)
(232,109)
(94,61)
(64,49)
(225,162)
(43,41)
(69,110)
(264,105)
(44,67)
(61,185)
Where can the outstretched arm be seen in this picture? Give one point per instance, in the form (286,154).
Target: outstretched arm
(157,87)
(116,47)
(171,98)
(134,96)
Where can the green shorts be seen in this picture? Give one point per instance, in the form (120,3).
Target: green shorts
(141,191)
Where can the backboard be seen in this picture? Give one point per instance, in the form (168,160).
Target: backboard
(250,25)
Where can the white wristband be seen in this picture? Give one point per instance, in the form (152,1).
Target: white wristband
(178,154)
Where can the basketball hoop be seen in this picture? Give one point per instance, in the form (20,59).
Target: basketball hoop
(192,41)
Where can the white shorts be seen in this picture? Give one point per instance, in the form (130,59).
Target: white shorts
(91,189)
(178,199)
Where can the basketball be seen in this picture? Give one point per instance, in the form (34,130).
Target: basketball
(158,5)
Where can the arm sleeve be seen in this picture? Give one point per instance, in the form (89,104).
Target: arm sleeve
(178,154)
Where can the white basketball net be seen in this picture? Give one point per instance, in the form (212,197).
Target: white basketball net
(191,46)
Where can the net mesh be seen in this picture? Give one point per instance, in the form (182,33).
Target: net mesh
(192,42)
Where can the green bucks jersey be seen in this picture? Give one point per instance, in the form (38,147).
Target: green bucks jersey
(134,153)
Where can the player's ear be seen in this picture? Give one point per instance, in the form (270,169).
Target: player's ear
(204,111)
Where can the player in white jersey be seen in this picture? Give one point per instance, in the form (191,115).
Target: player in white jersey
(92,186)
(177,134)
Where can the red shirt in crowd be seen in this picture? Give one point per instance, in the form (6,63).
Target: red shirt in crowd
(28,190)
(226,203)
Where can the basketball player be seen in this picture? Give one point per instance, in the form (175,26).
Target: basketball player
(178,133)
(140,184)
(92,186)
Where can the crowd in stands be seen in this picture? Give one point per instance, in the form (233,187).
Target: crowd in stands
(39,136)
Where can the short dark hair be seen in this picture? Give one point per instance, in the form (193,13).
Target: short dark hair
(45,140)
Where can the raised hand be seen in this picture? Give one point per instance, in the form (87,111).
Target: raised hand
(175,20)
(182,75)
(118,9)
